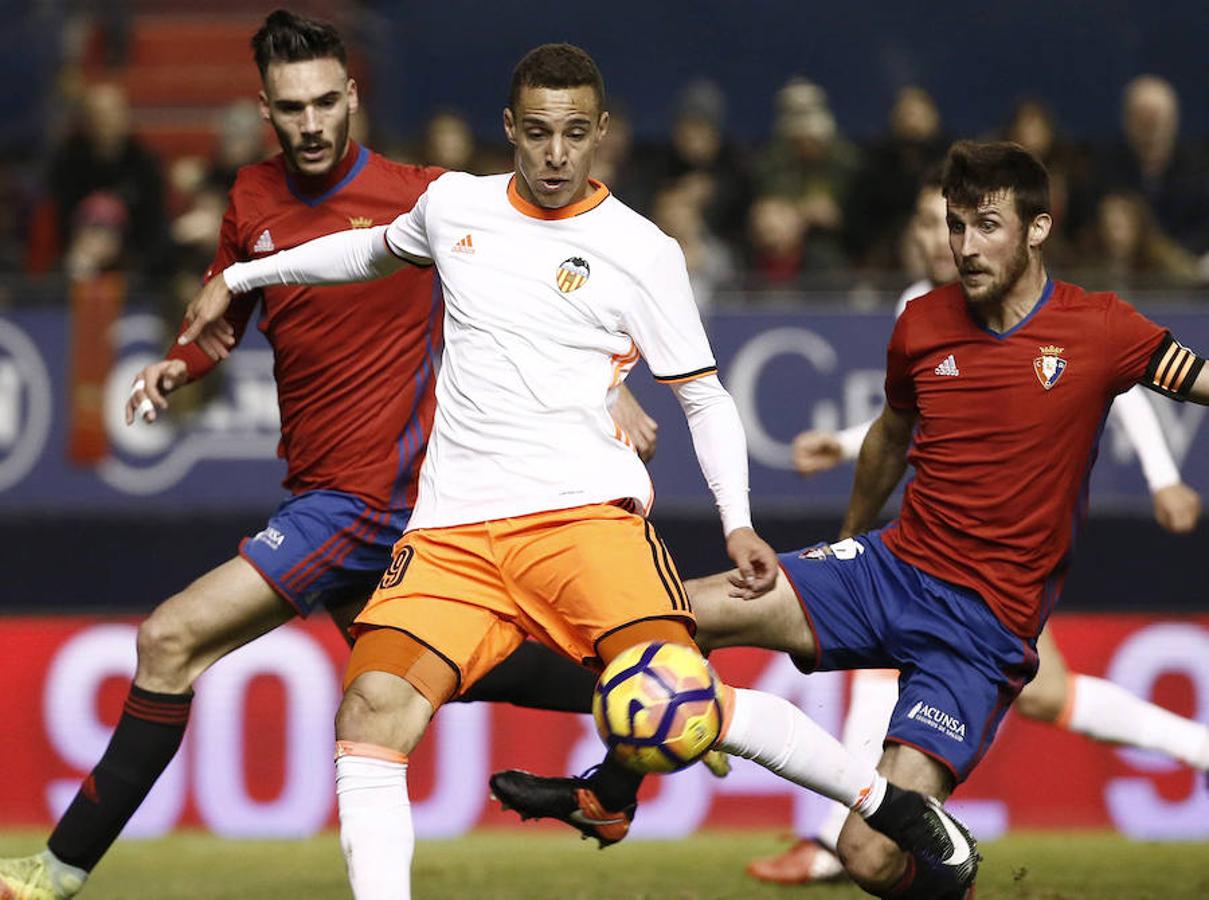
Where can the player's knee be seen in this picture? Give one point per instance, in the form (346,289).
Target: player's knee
(165,651)
(874,862)
(1043,699)
(715,628)
(383,709)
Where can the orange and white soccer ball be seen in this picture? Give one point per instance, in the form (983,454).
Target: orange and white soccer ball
(658,706)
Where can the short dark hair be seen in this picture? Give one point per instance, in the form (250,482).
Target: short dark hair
(556,66)
(288,37)
(975,170)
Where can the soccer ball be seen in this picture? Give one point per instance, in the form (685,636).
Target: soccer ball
(657,706)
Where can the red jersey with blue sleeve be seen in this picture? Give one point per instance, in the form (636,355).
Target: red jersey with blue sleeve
(1007,432)
(354,364)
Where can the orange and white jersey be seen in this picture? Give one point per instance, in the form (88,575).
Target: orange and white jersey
(545,311)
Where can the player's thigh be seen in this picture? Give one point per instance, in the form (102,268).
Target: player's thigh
(1046,696)
(222,610)
(582,575)
(864,849)
(773,620)
(444,592)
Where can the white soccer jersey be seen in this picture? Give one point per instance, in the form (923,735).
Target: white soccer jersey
(545,310)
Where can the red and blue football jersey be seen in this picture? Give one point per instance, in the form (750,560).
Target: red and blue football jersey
(354,364)
(1008,430)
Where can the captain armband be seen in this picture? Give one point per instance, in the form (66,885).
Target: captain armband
(1173,369)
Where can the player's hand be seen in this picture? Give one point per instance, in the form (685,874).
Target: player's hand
(206,309)
(634,421)
(217,339)
(756,563)
(151,387)
(1177,508)
(815,452)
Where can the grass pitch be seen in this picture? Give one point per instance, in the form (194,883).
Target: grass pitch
(546,864)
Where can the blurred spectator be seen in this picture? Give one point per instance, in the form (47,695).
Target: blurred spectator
(699,158)
(809,164)
(195,233)
(241,142)
(614,164)
(710,262)
(777,236)
(449,142)
(1155,163)
(107,24)
(98,237)
(884,196)
(1127,249)
(200,188)
(105,156)
(783,250)
(1032,126)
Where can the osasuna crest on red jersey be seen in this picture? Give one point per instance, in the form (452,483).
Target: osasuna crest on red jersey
(572,274)
(1049,366)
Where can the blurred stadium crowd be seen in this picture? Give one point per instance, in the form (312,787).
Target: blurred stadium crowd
(807,208)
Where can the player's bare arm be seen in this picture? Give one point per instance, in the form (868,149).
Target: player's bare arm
(1200,388)
(879,468)
(358,254)
(204,316)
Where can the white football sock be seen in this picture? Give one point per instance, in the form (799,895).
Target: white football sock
(773,732)
(872,695)
(1107,712)
(375,822)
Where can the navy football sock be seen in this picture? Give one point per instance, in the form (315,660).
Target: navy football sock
(146,738)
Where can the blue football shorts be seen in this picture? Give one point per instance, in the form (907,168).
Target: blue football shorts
(324,547)
(960,667)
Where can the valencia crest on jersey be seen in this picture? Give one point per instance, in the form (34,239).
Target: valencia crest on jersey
(572,274)
(1050,365)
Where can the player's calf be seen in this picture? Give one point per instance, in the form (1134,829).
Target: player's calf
(381,718)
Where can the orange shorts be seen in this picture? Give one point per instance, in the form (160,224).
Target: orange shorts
(567,578)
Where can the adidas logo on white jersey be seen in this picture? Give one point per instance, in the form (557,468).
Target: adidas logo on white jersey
(264,243)
(948,367)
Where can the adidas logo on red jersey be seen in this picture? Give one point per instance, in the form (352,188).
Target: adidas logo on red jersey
(948,367)
(264,243)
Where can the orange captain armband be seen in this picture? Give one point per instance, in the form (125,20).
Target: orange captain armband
(1173,369)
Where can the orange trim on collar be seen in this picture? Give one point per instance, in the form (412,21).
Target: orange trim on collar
(533,211)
